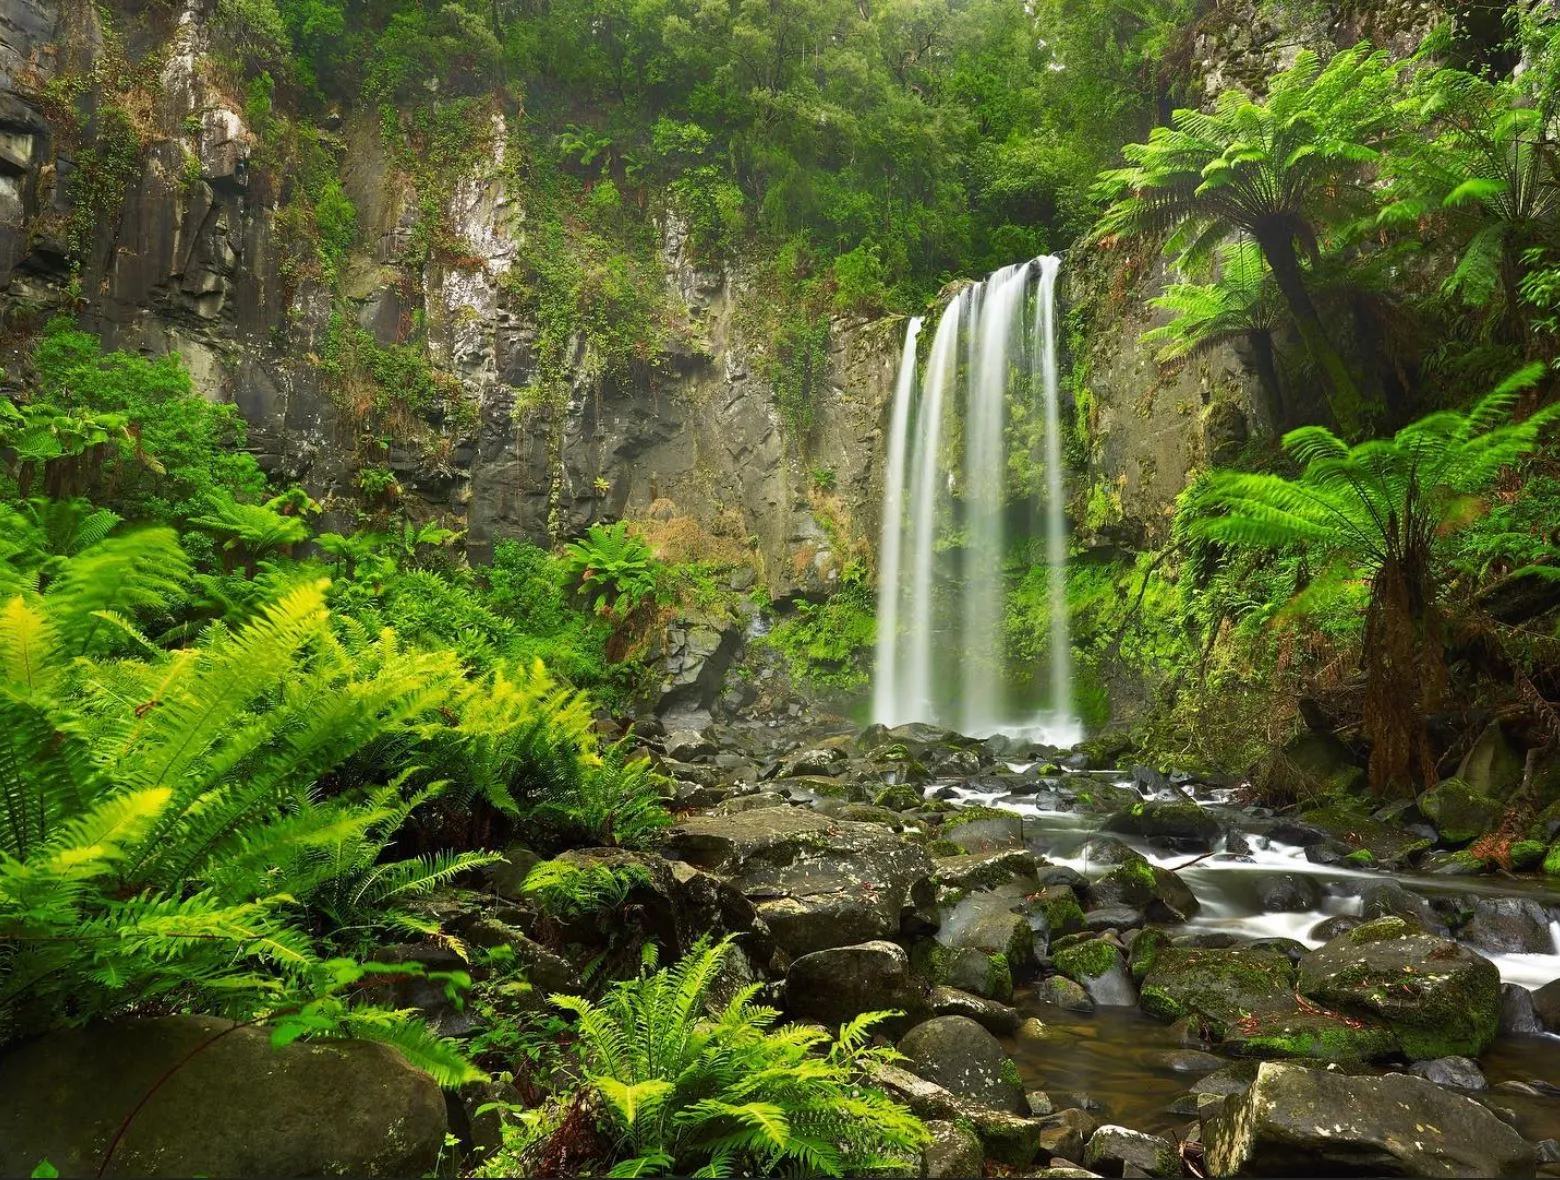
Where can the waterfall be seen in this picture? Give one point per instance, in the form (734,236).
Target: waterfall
(917,700)
(988,340)
(886,698)
(996,313)
(1062,725)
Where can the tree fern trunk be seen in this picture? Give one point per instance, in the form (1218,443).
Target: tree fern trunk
(1267,373)
(1343,395)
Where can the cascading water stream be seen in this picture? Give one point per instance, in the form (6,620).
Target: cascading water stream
(1065,729)
(917,699)
(996,315)
(886,700)
(1004,349)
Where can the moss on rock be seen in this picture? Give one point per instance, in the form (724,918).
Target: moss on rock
(1087,960)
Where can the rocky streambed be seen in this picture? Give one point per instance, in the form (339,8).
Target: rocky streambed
(1116,970)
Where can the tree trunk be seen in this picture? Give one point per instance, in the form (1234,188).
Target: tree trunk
(1343,394)
(1267,373)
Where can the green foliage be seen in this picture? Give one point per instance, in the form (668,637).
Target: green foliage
(154,801)
(829,644)
(617,799)
(689,1094)
(1379,513)
(612,568)
(250,531)
(97,184)
(196,444)
(567,889)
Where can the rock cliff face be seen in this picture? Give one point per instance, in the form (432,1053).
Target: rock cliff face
(132,194)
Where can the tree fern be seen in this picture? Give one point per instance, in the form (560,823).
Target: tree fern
(1386,506)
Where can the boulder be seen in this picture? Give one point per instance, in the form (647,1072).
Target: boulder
(1219,987)
(816,882)
(1458,811)
(1461,1073)
(1439,998)
(506,877)
(1508,925)
(1112,1149)
(238,1106)
(1065,1133)
(1293,893)
(1546,1003)
(1097,966)
(1295,1121)
(1064,993)
(1175,824)
(757,801)
(1493,766)
(987,870)
(826,760)
(995,1018)
(953,1151)
(1007,1138)
(1246,999)
(959,1055)
(1388,899)
(984,829)
(1157,892)
(1517,1015)
(836,985)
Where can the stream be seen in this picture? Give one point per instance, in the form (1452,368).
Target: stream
(1120,1058)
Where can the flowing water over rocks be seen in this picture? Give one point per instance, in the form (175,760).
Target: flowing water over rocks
(1137,944)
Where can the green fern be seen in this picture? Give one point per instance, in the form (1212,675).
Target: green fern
(685,1091)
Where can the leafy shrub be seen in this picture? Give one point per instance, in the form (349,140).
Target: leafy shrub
(197,444)
(616,800)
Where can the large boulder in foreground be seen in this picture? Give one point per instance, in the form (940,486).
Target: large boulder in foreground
(1296,1121)
(959,1055)
(817,882)
(1439,998)
(238,1107)
(837,985)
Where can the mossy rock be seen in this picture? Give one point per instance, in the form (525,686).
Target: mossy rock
(1219,987)
(1058,904)
(1145,952)
(1526,855)
(1087,960)
(1317,1035)
(984,829)
(1458,812)
(899,798)
(1184,823)
(1351,826)
(1440,999)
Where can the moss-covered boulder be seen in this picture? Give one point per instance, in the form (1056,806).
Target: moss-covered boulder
(1097,966)
(1218,987)
(1058,906)
(984,829)
(836,985)
(219,1100)
(1459,812)
(1179,824)
(899,797)
(1305,1031)
(987,870)
(1158,892)
(1439,998)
